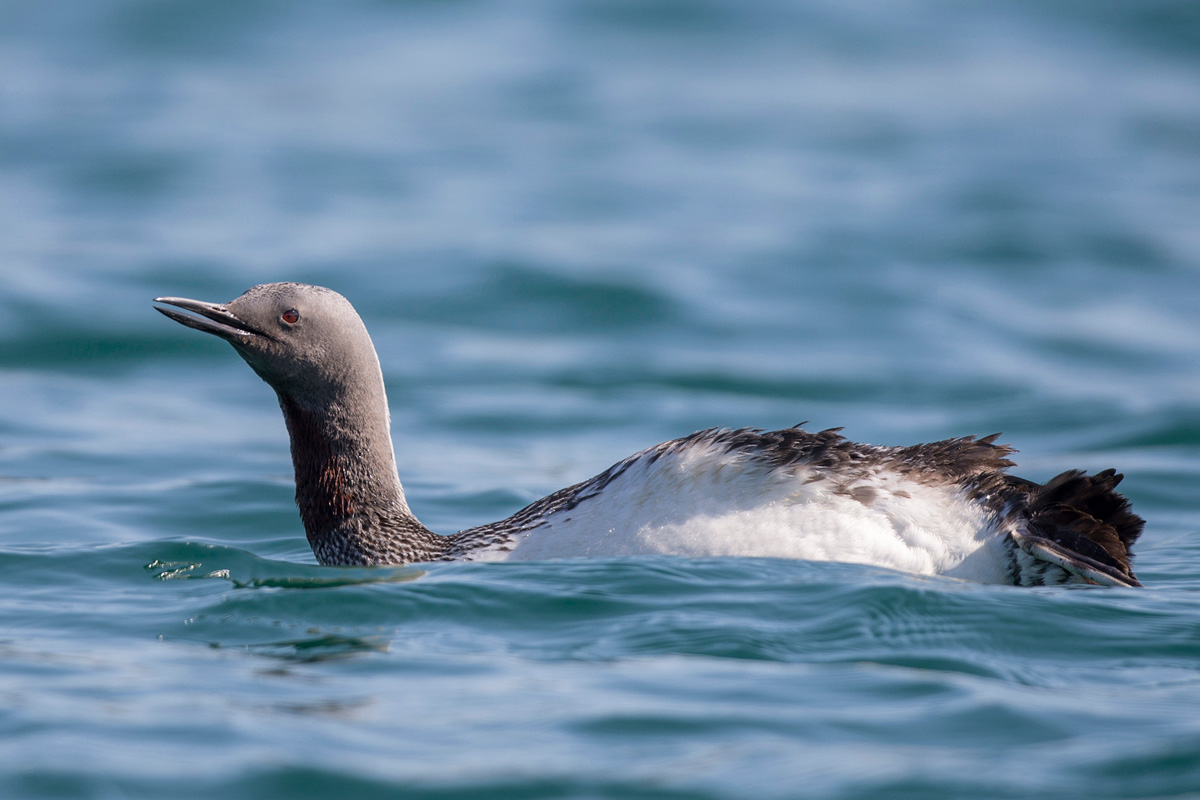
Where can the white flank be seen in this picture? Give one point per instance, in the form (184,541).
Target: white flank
(707,501)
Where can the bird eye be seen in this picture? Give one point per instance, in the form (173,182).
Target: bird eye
(291,316)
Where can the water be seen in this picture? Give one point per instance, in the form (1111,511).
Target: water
(575,230)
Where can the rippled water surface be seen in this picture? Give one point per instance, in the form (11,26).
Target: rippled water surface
(577,229)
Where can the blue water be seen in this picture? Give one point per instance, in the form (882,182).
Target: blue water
(577,229)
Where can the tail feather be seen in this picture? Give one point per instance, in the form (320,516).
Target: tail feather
(1075,514)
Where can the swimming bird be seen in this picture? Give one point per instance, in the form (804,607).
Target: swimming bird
(943,508)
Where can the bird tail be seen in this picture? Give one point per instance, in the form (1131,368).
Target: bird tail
(1082,524)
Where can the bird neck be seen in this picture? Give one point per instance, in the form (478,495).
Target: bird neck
(347,487)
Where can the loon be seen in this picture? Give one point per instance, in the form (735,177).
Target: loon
(943,508)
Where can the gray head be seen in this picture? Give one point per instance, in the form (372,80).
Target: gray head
(306,341)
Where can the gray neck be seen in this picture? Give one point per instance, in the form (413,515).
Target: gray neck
(347,488)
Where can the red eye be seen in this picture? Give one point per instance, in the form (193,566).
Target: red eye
(291,316)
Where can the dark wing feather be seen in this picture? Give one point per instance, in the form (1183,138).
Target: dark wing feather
(1082,523)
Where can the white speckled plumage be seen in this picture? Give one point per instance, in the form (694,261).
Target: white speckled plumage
(943,508)
(704,500)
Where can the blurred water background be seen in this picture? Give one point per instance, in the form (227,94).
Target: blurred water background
(576,229)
